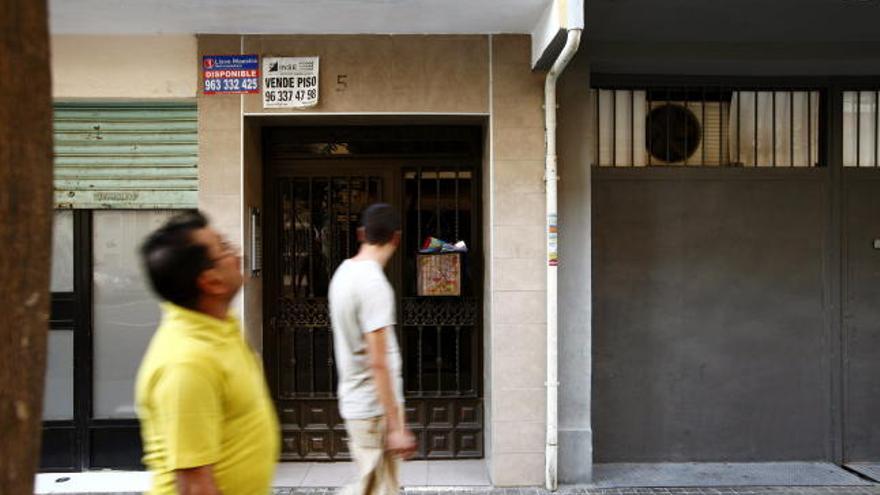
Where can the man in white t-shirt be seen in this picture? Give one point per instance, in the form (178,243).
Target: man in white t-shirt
(362,313)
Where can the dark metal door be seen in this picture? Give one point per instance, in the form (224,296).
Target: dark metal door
(313,205)
(861,315)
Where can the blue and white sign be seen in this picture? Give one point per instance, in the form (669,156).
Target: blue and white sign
(231,74)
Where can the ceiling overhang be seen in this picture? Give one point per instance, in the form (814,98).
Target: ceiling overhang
(543,19)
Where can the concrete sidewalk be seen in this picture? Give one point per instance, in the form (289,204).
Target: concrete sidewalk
(471,478)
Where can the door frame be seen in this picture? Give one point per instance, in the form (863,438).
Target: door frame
(391,168)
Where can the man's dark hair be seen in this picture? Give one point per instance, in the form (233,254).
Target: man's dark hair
(380,222)
(173,260)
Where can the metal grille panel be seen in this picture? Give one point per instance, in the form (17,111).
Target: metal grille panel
(705,127)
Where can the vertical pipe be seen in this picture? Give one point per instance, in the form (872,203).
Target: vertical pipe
(876,128)
(551,232)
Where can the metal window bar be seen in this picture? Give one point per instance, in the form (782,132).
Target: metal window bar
(648,129)
(755,144)
(703,127)
(858,128)
(738,129)
(597,131)
(810,161)
(632,127)
(310,246)
(668,128)
(439,361)
(773,102)
(614,128)
(791,128)
(700,112)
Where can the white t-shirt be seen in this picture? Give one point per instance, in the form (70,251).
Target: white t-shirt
(362,301)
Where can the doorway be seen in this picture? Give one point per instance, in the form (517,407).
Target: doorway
(317,182)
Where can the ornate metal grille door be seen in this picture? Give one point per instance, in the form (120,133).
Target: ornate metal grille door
(312,223)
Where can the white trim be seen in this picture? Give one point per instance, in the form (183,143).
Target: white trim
(488,295)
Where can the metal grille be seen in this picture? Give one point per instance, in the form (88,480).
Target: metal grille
(440,337)
(861,128)
(439,334)
(705,127)
(318,231)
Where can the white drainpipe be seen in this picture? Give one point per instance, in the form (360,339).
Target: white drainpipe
(550,178)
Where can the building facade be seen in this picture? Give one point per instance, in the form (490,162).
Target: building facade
(717,248)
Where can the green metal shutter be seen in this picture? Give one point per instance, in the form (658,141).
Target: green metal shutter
(127,155)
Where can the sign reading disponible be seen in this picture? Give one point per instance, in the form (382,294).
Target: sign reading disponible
(290,82)
(231,74)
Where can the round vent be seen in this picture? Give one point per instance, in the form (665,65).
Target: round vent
(673,133)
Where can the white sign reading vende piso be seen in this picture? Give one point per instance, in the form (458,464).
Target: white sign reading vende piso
(290,82)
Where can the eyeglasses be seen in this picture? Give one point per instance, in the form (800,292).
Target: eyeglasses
(228,249)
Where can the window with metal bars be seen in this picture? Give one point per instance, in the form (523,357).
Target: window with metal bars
(705,127)
(861,128)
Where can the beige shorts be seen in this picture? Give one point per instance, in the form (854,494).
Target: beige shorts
(377,468)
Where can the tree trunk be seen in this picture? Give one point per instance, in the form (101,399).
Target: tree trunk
(25,235)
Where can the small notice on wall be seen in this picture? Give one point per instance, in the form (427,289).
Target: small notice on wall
(231,74)
(290,82)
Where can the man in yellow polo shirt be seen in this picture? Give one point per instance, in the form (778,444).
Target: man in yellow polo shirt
(207,422)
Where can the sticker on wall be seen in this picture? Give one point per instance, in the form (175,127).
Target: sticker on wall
(230,74)
(552,241)
(290,82)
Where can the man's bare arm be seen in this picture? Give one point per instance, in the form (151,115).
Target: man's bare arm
(399,439)
(196,481)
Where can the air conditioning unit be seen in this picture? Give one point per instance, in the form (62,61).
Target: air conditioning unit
(687,132)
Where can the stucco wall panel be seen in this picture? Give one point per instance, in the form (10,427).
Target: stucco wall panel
(124,67)
(442,74)
(427,74)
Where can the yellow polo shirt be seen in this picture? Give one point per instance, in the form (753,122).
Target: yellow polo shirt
(202,400)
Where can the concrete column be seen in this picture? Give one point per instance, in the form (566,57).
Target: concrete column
(575,274)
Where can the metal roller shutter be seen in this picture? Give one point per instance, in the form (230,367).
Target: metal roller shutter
(126,156)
